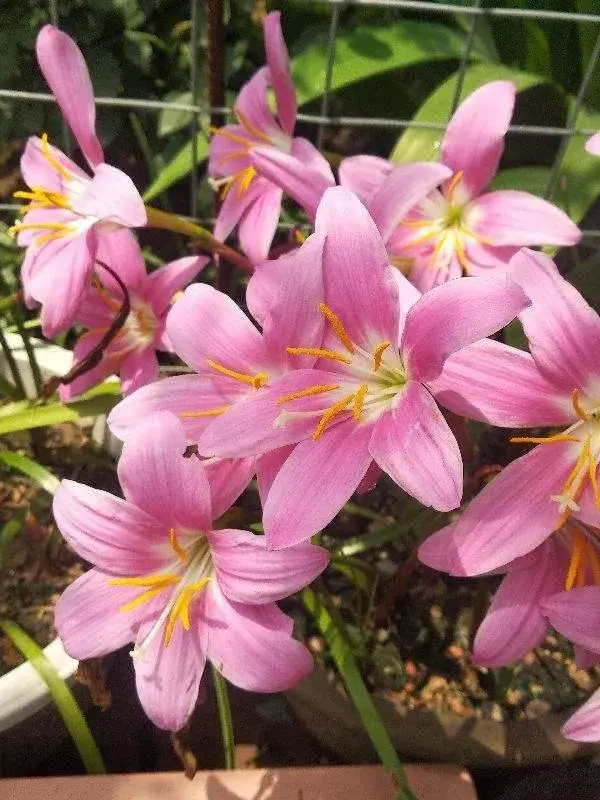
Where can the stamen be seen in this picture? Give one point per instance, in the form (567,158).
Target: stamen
(258,380)
(579,409)
(331,413)
(378,354)
(338,327)
(461,253)
(245,178)
(181,609)
(145,580)
(359,399)
(179,551)
(142,598)
(578,548)
(593,560)
(208,412)
(451,188)
(287,398)
(558,437)
(234,137)
(245,123)
(592,474)
(319,352)
(63,171)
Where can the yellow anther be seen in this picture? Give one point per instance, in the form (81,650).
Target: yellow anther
(319,353)
(250,128)
(451,188)
(331,413)
(592,475)
(181,609)
(145,580)
(417,223)
(359,399)
(287,398)
(461,254)
(258,380)
(338,327)
(141,599)
(179,551)
(378,354)
(52,160)
(245,178)
(593,561)
(208,412)
(579,409)
(558,437)
(576,557)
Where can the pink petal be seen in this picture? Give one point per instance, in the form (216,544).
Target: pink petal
(279,71)
(401,190)
(226,157)
(164,282)
(155,476)
(252,426)
(264,284)
(294,317)
(267,467)
(206,324)
(113,534)
(514,623)
(482,257)
(454,315)
(514,513)
(298,505)
(425,275)
(138,369)
(92,311)
(304,184)
(584,725)
(519,218)
(593,144)
(492,382)
(227,479)
(474,140)
(414,445)
(252,107)
(408,295)
(84,345)
(182,395)
(65,70)
(251,646)
(576,615)
(235,205)
(563,331)
(438,550)
(306,152)
(584,659)
(259,223)
(112,196)
(37,170)
(359,285)
(371,478)
(248,572)
(121,252)
(363,175)
(167,678)
(88,617)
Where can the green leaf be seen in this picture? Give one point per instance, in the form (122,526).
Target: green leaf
(587,39)
(61,695)
(8,532)
(418,144)
(178,167)
(24,416)
(332,627)
(354,570)
(580,185)
(527,179)
(368,51)
(31,468)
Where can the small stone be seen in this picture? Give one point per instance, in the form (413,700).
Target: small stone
(537,708)
(316,644)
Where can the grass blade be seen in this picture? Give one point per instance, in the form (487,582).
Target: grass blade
(31,468)
(225,720)
(331,627)
(7,533)
(61,695)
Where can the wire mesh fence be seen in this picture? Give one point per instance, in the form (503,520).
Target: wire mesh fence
(473,13)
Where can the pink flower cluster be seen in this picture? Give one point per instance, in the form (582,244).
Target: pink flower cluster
(359,338)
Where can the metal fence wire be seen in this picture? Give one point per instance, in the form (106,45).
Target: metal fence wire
(472,14)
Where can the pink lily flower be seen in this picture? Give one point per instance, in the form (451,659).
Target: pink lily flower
(184,593)
(132,353)
(240,154)
(365,399)
(67,209)
(460,228)
(593,144)
(584,725)
(538,492)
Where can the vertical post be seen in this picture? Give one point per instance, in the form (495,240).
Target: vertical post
(194,93)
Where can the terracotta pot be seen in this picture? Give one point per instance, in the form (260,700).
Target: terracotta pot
(430,736)
(318,783)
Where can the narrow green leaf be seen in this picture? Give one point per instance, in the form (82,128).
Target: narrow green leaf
(61,695)
(31,468)
(8,532)
(332,627)
(528,179)
(368,51)
(97,401)
(225,720)
(418,144)
(580,185)
(178,167)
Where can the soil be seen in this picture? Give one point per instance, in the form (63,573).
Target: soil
(38,564)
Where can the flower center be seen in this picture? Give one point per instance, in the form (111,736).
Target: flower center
(187,576)
(141,325)
(370,380)
(585,433)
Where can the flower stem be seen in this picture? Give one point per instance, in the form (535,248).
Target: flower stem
(206,241)
(12,365)
(224,717)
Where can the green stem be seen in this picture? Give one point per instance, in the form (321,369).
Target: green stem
(12,365)
(224,717)
(204,238)
(35,368)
